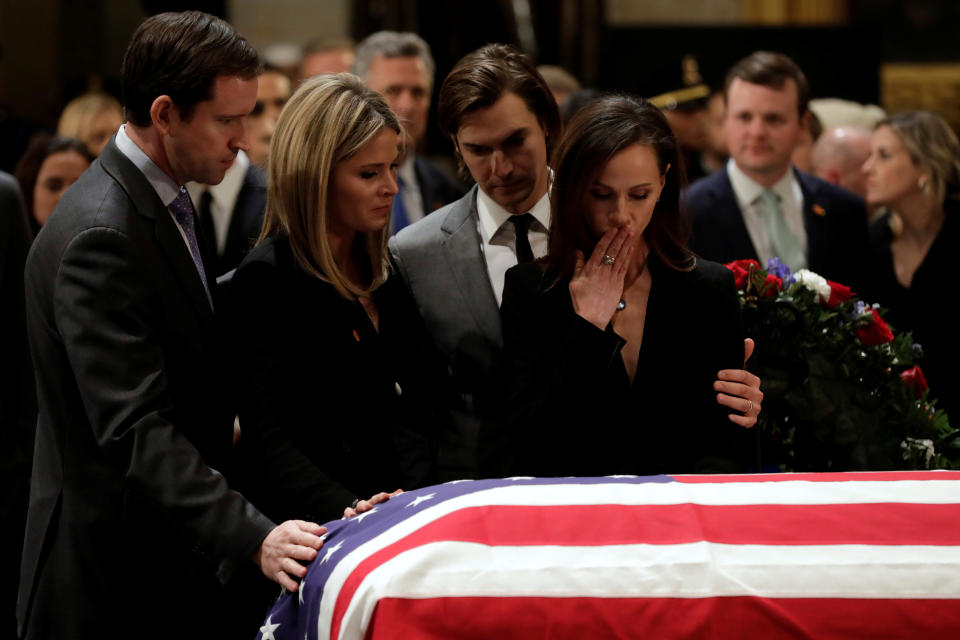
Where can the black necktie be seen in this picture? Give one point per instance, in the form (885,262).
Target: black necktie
(207,227)
(521,224)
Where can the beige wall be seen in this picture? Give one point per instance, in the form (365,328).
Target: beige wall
(725,12)
(294,21)
(654,12)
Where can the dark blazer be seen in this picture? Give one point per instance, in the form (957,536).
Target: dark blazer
(330,409)
(835,221)
(18,405)
(440,260)
(128,522)
(572,409)
(245,221)
(437,188)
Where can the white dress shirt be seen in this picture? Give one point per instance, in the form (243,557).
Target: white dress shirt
(412,199)
(498,238)
(223,198)
(754,211)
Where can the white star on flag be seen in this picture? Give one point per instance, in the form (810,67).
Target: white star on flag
(303,583)
(416,501)
(267,630)
(332,550)
(360,516)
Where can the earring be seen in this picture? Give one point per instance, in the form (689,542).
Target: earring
(921,183)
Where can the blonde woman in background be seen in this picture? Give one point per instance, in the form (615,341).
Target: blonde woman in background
(913,171)
(93,117)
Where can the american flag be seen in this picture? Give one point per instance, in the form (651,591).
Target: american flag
(835,555)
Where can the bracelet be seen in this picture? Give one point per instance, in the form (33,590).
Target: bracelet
(356,501)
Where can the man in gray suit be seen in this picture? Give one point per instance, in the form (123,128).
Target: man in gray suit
(502,119)
(130,530)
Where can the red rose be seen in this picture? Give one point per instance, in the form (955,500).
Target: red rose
(877,332)
(839,294)
(741,271)
(913,378)
(771,285)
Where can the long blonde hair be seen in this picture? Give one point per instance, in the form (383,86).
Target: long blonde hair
(328,120)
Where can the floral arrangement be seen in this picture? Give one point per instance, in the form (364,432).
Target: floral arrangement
(842,391)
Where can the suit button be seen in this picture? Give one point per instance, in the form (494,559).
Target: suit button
(397,388)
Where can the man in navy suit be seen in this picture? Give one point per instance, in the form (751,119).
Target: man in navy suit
(760,206)
(130,529)
(400,66)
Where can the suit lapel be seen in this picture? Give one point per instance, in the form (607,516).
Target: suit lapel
(734,231)
(814,219)
(148,204)
(461,250)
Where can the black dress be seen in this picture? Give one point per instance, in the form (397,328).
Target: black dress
(925,308)
(572,407)
(330,409)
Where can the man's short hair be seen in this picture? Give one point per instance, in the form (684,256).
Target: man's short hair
(392,44)
(770,69)
(482,77)
(180,55)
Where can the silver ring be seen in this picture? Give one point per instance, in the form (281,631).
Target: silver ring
(608,259)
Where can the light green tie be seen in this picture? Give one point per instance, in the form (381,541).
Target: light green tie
(782,240)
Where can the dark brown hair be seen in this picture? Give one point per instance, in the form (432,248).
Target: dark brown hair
(180,55)
(597,132)
(483,76)
(770,69)
(41,146)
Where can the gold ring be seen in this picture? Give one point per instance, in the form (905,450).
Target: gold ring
(750,408)
(608,259)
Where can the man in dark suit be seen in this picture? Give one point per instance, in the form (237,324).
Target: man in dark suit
(502,119)
(231,213)
(18,406)
(760,206)
(400,66)
(129,525)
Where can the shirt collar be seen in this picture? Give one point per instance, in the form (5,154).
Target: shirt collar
(165,186)
(493,216)
(747,190)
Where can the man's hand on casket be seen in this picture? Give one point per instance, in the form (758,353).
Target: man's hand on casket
(287,544)
(365,505)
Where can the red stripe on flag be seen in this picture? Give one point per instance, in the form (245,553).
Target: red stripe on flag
(877,476)
(512,525)
(726,618)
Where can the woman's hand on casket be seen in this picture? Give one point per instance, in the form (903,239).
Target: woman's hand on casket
(280,553)
(365,505)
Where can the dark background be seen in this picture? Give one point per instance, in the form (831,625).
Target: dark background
(51,50)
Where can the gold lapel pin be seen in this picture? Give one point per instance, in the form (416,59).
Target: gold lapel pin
(820,211)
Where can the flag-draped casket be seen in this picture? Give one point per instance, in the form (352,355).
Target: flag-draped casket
(857,555)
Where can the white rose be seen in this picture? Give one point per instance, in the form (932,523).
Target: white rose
(814,282)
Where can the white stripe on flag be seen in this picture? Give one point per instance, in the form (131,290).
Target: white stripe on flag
(696,570)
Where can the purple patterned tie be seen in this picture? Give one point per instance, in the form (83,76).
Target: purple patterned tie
(182,210)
